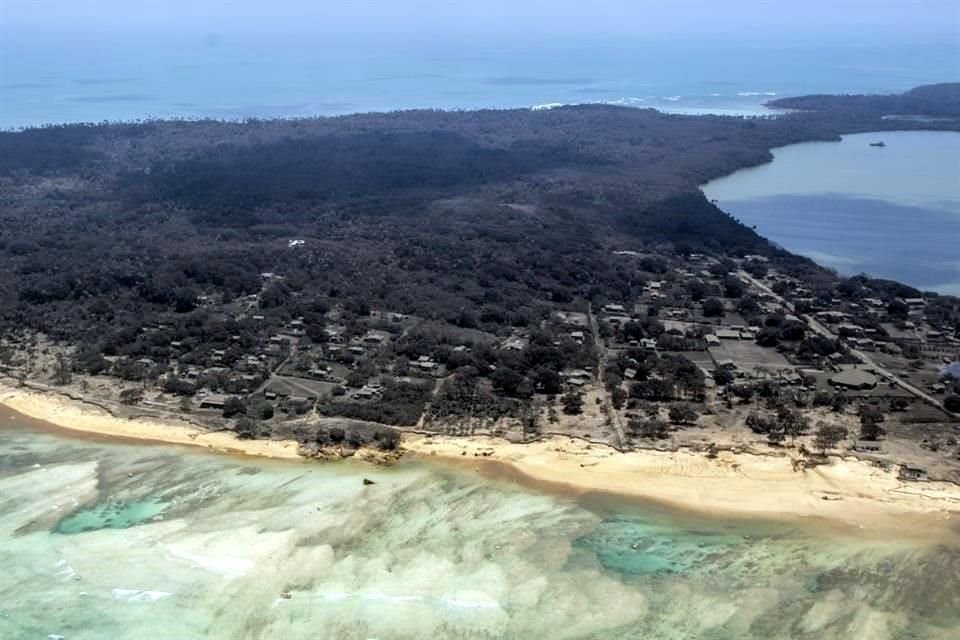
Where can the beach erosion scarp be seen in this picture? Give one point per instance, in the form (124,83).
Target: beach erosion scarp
(80,418)
(846,491)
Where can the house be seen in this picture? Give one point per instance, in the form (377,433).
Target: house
(789,376)
(712,340)
(726,363)
(867,446)
(577,336)
(514,344)
(915,304)
(629,373)
(912,473)
(727,334)
(367,392)
(424,363)
(648,343)
(213,401)
(854,379)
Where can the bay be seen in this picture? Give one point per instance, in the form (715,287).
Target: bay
(891,211)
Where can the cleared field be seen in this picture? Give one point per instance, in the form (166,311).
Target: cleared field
(748,354)
(287,386)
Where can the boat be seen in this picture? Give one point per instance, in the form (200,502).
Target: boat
(878,144)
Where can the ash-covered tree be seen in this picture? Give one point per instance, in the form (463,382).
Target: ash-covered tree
(682,413)
(828,436)
(713,308)
(572,403)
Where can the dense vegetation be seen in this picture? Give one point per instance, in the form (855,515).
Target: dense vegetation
(483,219)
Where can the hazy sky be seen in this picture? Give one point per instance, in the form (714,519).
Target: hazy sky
(906,19)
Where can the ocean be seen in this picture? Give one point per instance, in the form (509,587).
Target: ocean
(109,540)
(96,75)
(891,212)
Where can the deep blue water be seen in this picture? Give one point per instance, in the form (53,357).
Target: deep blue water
(87,76)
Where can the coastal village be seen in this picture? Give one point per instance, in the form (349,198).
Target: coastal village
(715,354)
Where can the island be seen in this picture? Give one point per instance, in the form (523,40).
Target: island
(543,288)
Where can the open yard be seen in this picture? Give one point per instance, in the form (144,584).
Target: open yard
(748,355)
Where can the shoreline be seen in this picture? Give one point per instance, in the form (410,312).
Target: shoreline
(82,419)
(846,491)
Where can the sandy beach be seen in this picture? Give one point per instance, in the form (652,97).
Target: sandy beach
(88,419)
(847,490)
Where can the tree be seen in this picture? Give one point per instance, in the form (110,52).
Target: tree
(356,379)
(62,371)
(732,287)
(722,376)
(652,429)
(775,437)
(232,406)
(791,422)
(248,429)
(870,430)
(617,397)
(506,381)
(547,381)
(828,436)
(388,439)
(260,410)
(572,403)
(682,414)
(952,403)
(131,396)
(713,308)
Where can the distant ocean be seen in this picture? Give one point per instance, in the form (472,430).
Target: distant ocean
(92,77)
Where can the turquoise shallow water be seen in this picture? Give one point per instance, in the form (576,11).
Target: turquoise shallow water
(118,541)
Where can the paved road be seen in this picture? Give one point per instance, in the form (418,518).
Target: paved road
(864,358)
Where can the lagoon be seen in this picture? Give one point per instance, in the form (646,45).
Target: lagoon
(108,540)
(891,212)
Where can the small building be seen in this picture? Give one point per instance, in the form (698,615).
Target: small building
(854,379)
(213,401)
(726,363)
(514,344)
(712,340)
(867,446)
(374,338)
(912,473)
(727,334)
